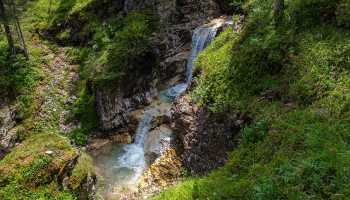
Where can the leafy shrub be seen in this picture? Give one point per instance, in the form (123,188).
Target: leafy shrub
(79,136)
(129,48)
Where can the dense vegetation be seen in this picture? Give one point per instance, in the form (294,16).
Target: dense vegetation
(110,48)
(293,78)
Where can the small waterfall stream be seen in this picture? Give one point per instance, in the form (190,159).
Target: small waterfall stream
(128,161)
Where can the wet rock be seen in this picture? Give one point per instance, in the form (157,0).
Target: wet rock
(159,120)
(98,143)
(114,108)
(122,138)
(157,143)
(173,69)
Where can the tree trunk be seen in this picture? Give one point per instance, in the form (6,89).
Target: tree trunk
(19,30)
(278,9)
(7,28)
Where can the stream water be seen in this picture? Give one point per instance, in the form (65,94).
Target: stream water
(120,166)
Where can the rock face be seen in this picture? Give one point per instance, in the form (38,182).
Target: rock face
(178,18)
(205,138)
(8,135)
(114,106)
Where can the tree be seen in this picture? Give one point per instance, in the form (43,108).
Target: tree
(19,29)
(7,28)
(8,13)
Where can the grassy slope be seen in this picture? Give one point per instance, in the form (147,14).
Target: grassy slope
(295,82)
(28,172)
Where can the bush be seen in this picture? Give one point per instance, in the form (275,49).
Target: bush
(79,136)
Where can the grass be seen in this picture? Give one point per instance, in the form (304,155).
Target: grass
(294,81)
(33,169)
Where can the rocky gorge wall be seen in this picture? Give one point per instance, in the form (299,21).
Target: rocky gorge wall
(203,137)
(171,44)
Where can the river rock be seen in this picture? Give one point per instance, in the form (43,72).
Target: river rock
(114,106)
(157,142)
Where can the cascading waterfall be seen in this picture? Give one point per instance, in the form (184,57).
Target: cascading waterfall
(129,160)
(133,156)
(202,36)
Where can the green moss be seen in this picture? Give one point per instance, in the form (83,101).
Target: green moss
(83,169)
(33,165)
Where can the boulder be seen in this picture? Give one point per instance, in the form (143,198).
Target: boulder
(157,142)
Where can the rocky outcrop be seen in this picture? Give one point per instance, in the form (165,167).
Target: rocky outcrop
(157,143)
(172,45)
(204,137)
(8,135)
(164,172)
(114,107)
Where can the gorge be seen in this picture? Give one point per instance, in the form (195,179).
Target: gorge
(122,167)
(174,99)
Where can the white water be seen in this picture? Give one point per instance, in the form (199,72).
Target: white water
(127,163)
(201,38)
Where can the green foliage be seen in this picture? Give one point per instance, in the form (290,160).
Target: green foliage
(255,132)
(17,74)
(79,136)
(308,13)
(14,191)
(84,110)
(295,76)
(127,49)
(81,171)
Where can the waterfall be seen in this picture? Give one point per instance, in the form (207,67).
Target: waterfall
(133,156)
(202,36)
(128,161)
